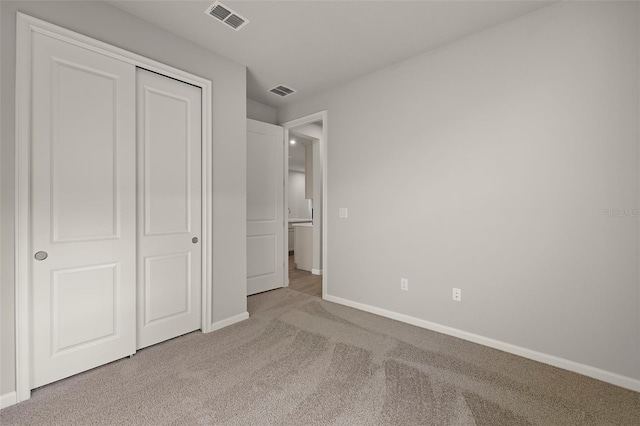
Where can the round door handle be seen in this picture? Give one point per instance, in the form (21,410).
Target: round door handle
(41,255)
(194,240)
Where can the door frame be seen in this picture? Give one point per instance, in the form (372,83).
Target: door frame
(26,26)
(307,119)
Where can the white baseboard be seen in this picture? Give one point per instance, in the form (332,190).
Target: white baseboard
(586,370)
(7,400)
(229,321)
(316,271)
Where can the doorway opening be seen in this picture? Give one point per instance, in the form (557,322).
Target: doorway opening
(305,187)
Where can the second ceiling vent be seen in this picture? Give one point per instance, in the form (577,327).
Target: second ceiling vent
(227,16)
(282,90)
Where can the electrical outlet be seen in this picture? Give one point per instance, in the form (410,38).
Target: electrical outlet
(457,295)
(343,213)
(404,284)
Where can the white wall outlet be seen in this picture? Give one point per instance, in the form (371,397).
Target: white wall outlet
(343,213)
(404,284)
(457,295)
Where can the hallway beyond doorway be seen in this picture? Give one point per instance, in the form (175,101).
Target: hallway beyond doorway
(304,281)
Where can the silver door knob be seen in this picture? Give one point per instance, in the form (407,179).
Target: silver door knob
(41,255)
(194,240)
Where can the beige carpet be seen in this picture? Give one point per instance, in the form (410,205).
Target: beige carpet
(303,361)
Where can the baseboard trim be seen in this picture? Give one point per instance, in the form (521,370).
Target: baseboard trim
(229,321)
(586,370)
(316,271)
(7,400)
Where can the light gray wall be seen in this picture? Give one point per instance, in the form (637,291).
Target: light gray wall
(111,25)
(489,165)
(261,112)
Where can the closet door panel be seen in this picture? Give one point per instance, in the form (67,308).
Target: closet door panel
(83,209)
(169,208)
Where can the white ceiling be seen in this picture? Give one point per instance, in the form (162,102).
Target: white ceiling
(314,45)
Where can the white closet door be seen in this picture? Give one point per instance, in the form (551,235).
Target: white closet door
(83,210)
(265,207)
(169,208)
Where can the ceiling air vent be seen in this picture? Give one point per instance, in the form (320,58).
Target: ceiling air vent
(283,91)
(227,16)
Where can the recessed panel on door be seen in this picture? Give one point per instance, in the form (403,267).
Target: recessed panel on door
(97,287)
(167,162)
(83,210)
(265,207)
(169,208)
(83,169)
(263,176)
(262,250)
(167,286)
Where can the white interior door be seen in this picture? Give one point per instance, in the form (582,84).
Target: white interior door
(265,207)
(83,210)
(169,208)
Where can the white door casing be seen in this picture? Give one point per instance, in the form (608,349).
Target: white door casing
(169,208)
(83,211)
(265,207)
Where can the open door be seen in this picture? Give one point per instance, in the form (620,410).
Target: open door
(265,207)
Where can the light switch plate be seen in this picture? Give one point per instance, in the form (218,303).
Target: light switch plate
(343,213)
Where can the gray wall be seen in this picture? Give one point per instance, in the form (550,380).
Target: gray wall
(489,165)
(261,112)
(111,25)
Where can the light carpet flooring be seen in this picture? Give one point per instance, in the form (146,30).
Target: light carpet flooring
(302,361)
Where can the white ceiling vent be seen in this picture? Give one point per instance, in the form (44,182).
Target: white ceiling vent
(282,90)
(227,16)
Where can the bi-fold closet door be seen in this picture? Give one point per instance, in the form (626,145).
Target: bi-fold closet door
(115,209)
